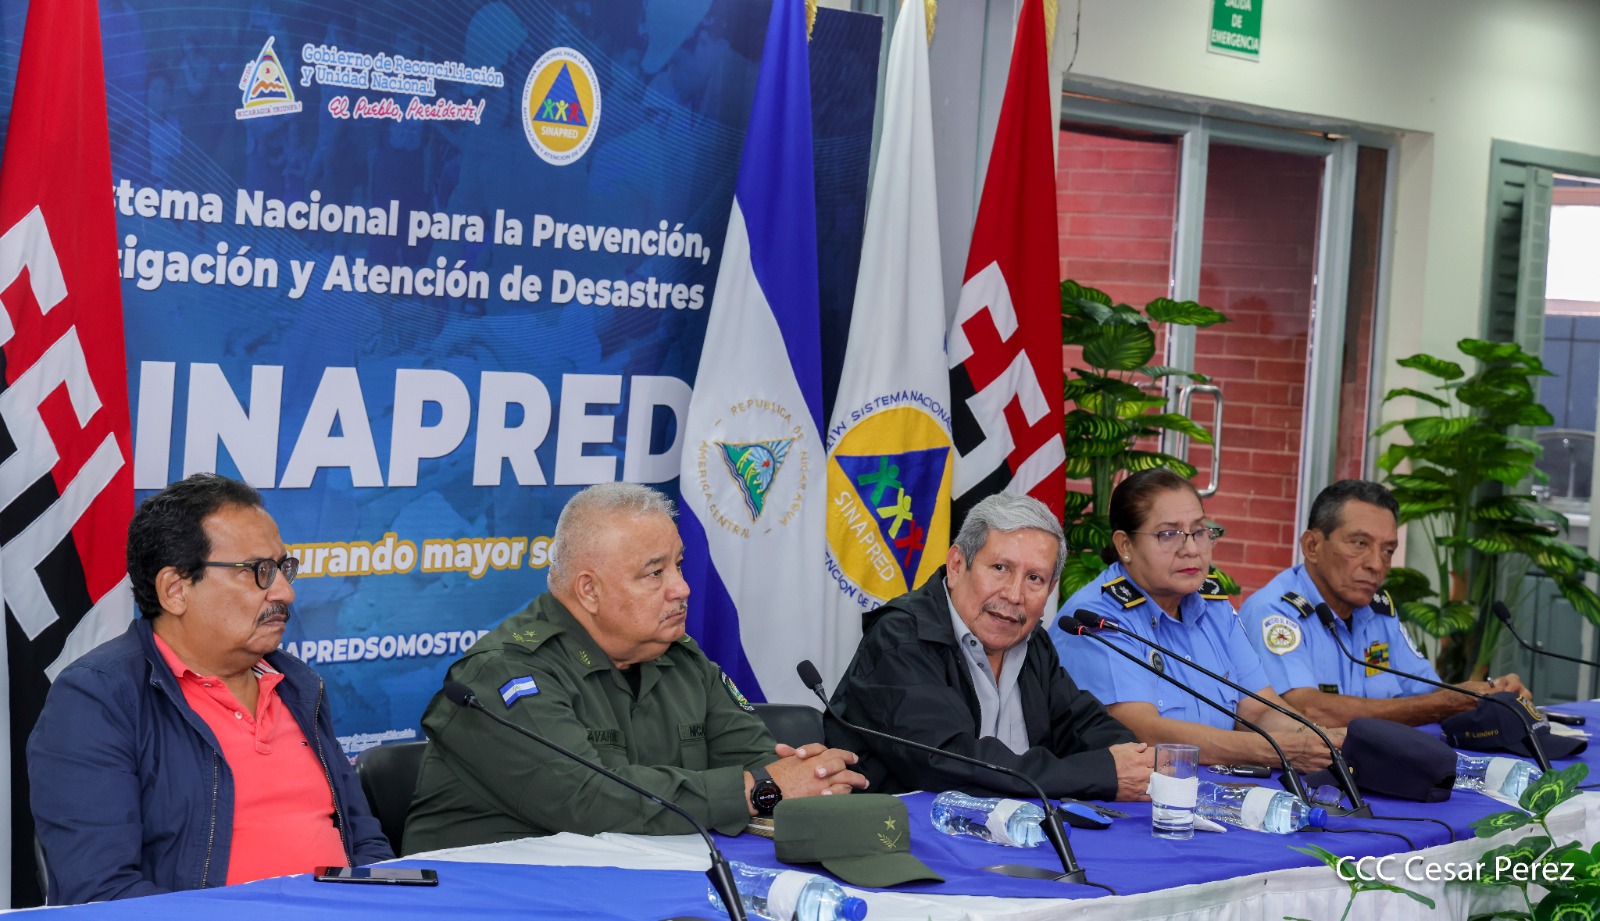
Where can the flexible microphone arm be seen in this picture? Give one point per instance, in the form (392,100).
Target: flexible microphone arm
(1341,770)
(1291,777)
(1504,614)
(1053,829)
(1330,620)
(720,874)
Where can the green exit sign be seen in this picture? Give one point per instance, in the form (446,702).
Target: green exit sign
(1236,28)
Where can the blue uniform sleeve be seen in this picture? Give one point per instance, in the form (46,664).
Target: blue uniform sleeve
(1285,670)
(1242,659)
(1109,677)
(1403,655)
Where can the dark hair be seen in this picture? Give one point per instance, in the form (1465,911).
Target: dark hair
(1131,501)
(1327,510)
(167,530)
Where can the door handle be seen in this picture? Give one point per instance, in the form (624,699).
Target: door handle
(1185,401)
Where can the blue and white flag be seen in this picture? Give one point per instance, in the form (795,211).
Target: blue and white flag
(752,468)
(890,457)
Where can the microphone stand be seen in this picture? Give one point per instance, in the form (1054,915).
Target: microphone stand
(1330,620)
(1504,614)
(1052,826)
(720,874)
(1341,770)
(1291,777)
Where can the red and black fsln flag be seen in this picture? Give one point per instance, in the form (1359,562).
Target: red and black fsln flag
(66,476)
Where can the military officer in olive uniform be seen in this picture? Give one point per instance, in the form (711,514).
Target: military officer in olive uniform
(601,665)
(1348,547)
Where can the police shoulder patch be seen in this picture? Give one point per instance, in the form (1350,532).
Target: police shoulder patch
(1280,633)
(1300,602)
(1123,591)
(733,692)
(1211,588)
(1382,603)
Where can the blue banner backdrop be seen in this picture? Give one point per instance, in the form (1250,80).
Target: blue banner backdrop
(420,269)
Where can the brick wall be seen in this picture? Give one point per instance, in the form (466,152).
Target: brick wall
(1116,199)
(1257,264)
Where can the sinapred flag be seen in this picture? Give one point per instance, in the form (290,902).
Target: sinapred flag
(1005,340)
(66,485)
(752,469)
(890,458)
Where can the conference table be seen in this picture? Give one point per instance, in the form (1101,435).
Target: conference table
(1236,874)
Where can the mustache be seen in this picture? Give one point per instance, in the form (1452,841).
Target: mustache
(276,609)
(1010,612)
(681,609)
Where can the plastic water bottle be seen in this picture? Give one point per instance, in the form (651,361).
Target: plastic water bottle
(1011,822)
(789,895)
(1256,808)
(1506,776)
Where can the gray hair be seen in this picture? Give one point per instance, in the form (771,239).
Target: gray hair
(1009,512)
(580,517)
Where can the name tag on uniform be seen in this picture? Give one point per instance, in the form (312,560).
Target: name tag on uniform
(605,737)
(691,732)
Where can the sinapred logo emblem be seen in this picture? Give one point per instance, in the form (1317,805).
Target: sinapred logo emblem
(561,106)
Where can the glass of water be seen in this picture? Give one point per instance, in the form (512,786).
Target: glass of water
(1174,787)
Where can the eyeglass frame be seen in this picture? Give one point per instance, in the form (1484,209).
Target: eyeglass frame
(1216,532)
(277,566)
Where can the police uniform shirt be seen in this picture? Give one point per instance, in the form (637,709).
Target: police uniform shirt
(1209,634)
(1298,652)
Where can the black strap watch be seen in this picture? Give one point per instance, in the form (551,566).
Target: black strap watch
(765,795)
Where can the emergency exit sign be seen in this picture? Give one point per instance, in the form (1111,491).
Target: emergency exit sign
(1236,28)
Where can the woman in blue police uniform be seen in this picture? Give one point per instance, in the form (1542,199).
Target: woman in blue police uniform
(1160,585)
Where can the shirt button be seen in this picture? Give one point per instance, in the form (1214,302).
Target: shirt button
(237,715)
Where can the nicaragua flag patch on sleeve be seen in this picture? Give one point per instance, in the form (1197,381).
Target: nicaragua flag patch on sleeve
(518,688)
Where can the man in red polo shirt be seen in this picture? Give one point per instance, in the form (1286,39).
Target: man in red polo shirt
(189,752)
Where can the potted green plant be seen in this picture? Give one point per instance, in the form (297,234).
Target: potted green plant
(1116,409)
(1461,484)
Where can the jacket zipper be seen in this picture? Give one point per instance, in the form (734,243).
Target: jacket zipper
(327,775)
(211,837)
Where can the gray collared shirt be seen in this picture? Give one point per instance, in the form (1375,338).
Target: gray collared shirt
(999,704)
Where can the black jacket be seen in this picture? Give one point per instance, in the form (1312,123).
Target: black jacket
(909,679)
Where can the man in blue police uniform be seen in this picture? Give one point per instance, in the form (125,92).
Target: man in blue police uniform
(1348,546)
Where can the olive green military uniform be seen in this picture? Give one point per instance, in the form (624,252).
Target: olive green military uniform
(688,737)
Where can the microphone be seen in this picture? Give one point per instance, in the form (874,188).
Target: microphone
(1330,620)
(1341,770)
(1092,621)
(1053,829)
(720,874)
(1504,614)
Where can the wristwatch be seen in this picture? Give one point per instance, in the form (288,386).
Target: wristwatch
(765,795)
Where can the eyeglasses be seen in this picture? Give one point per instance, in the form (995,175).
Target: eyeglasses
(266,570)
(1173,539)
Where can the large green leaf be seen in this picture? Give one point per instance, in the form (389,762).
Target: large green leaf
(1079,466)
(1487,394)
(1496,822)
(1182,313)
(1552,789)
(1076,503)
(1581,597)
(1134,461)
(1509,864)
(1530,414)
(1431,428)
(1407,585)
(1399,392)
(1072,291)
(1515,507)
(1156,372)
(1226,582)
(1121,347)
(1080,570)
(1089,534)
(1568,905)
(1432,365)
(1419,486)
(1415,511)
(1485,350)
(1129,409)
(1439,620)
(1086,426)
(1111,386)
(1176,422)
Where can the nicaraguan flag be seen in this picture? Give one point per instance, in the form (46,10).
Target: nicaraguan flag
(890,457)
(752,473)
(518,688)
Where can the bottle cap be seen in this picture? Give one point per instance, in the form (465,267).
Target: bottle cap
(1319,816)
(853,908)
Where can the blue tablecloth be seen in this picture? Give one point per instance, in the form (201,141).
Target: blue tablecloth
(1130,860)
(465,890)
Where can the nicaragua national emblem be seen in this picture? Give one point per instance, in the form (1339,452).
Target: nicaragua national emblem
(754,464)
(266,88)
